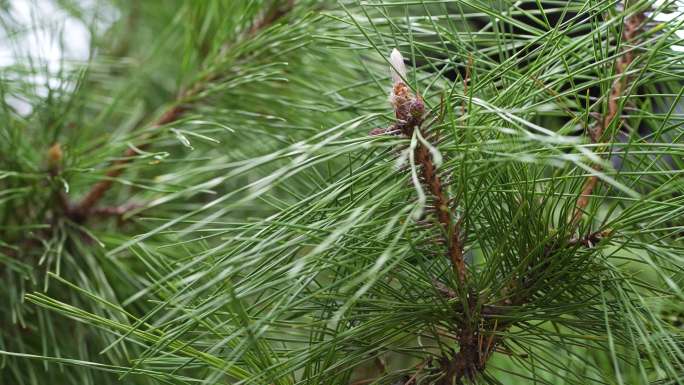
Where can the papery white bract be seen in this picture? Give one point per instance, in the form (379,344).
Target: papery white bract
(406,105)
(397,67)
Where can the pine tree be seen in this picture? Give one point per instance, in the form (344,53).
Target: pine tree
(319,192)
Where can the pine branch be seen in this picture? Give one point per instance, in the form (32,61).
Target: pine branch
(525,302)
(410,113)
(275,13)
(474,349)
(81,210)
(477,336)
(631,30)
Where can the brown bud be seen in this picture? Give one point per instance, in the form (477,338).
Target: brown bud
(417,107)
(55,155)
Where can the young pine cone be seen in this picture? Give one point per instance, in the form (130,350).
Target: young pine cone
(408,108)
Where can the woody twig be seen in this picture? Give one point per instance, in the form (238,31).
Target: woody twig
(81,210)
(479,337)
(410,113)
(630,35)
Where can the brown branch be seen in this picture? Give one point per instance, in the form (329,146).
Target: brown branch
(444,290)
(116,211)
(474,351)
(410,115)
(473,356)
(591,239)
(471,360)
(441,207)
(419,368)
(81,210)
(277,11)
(630,34)
(409,110)
(480,337)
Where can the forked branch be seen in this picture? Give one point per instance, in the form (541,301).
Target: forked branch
(479,334)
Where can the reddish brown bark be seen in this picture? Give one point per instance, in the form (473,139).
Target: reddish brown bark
(630,34)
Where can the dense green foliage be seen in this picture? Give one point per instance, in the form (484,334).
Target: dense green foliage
(248,229)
